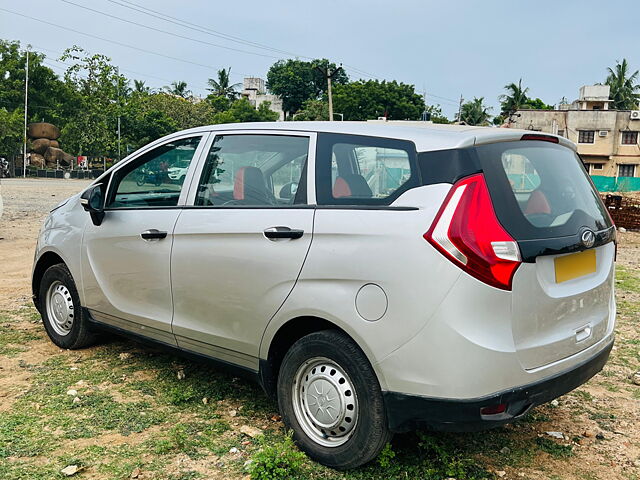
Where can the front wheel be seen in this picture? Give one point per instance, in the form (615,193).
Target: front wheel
(62,316)
(330,397)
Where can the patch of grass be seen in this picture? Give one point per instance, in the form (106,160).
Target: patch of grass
(13,339)
(627,279)
(554,449)
(278,461)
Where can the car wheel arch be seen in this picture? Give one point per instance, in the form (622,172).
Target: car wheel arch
(286,335)
(46,260)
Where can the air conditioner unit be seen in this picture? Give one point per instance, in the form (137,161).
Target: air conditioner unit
(635,115)
(603,133)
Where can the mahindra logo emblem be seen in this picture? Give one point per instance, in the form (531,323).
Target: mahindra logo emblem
(588,238)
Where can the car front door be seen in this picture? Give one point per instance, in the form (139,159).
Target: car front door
(126,259)
(239,248)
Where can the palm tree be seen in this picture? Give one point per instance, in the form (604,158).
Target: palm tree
(140,87)
(221,87)
(625,91)
(475,112)
(515,99)
(179,89)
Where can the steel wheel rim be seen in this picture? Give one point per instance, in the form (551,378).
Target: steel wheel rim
(60,311)
(325,402)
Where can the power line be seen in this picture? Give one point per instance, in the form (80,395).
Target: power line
(166,32)
(199,86)
(208,67)
(209,31)
(200,28)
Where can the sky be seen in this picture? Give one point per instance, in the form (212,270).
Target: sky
(447,49)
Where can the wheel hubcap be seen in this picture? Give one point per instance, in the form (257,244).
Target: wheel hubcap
(60,308)
(325,402)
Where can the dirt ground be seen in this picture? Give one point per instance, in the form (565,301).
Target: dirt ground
(599,423)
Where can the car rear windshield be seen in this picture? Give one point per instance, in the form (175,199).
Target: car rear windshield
(541,190)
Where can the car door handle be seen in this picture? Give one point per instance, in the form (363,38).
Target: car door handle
(153,234)
(275,233)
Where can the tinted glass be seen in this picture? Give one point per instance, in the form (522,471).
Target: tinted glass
(541,190)
(254,170)
(357,170)
(155,178)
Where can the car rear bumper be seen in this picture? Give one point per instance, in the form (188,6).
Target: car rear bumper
(409,412)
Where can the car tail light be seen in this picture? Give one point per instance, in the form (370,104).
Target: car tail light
(543,138)
(467,231)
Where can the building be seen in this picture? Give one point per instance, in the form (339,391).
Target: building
(254,89)
(607,139)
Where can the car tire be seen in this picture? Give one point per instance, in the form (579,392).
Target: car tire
(62,315)
(330,397)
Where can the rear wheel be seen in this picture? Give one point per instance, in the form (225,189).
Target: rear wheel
(330,396)
(60,308)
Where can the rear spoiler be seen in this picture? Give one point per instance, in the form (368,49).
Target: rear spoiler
(495,135)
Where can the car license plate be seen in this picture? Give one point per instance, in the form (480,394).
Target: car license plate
(575,265)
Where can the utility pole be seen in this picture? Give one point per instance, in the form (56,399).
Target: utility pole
(26,103)
(460,109)
(118,106)
(328,74)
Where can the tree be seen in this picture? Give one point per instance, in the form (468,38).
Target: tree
(313,110)
(364,100)
(222,86)
(515,98)
(179,89)
(139,86)
(50,99)
(11,131)
(242,111)
(297,81)
(183,113)
(475,112)
(536,104)
(99,92)
(436,114)
(625,90)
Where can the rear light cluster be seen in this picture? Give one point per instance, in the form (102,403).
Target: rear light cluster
(467,231)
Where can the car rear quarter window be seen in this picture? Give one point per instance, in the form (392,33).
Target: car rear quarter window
(360,170)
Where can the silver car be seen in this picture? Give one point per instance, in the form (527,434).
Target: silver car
(373,278)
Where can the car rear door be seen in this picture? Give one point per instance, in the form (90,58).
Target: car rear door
(126,259)
(239,247)
(563,299)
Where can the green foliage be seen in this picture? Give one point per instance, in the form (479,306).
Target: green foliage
(11,130)
(537,104)
(277,461)
(447,462)
(312,110)
(555,449)
(179,89)
(475,112)
(242,111)
(97,84)
(514,99)
(625,89)
(364,100)
(436,114)
(222,87)
(297,81)
(386,456)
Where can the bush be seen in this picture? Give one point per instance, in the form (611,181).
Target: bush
(278,461)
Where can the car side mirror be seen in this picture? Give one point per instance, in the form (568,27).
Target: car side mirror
(93,202)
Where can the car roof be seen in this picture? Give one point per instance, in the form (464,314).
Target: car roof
(426,136)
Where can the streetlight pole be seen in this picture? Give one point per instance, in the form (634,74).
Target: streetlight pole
(26,103)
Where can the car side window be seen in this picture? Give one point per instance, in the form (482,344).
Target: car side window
(254,170)
(359,170)
(155,178)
